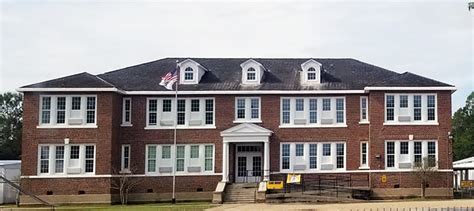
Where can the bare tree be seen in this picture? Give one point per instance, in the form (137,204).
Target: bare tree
(124,182)
(424,170)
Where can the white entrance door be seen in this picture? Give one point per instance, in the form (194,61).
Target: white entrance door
(248,166)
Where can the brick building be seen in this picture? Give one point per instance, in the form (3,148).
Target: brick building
(238,120)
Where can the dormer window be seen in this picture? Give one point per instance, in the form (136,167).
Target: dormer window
(311,74)
(189,74)
(251,74)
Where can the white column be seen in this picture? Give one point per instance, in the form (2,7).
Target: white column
(225,161)
(266,163)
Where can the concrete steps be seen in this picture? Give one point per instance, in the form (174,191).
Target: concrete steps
(240,193)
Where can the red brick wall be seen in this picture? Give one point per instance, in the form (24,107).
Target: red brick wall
(109,136)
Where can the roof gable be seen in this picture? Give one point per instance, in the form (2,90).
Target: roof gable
(246,129)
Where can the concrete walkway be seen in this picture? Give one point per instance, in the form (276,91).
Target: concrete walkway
(459,204)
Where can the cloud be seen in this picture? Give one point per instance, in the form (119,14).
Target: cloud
(41,41)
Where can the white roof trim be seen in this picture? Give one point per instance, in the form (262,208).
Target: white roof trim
(70,90)
(246,92)
(379,88)
(224,92)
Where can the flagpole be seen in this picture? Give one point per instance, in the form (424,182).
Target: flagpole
(173,200)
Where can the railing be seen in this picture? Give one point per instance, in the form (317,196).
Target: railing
(26,192)
(329,185)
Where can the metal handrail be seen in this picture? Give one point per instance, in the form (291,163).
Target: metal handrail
(26,192)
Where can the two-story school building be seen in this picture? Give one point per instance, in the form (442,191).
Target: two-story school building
(238,120)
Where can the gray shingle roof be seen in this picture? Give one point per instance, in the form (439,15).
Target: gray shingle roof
(226,74)
(80,80)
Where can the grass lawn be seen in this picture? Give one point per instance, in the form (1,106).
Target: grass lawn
(138,207)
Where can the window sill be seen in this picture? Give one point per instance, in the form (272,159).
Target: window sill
(364,168)
(63,175)
(125,171)
(179,127)
(364,123)
(410,123)
(126,125)
(311,126)
(248,121)
(66,126)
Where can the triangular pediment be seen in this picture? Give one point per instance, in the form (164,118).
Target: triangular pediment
(246,129)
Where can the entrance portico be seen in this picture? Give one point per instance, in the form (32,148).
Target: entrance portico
(246,134)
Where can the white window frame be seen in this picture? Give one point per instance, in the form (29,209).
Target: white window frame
(66,159)
(411,154)
(124,112)
(68,110)
(364,109)
(305,159)
(248,110)
(319,112)
(366,164)
(410,109)
(193,74)
(122,159)
(249,71)
(187,114)
(167,162)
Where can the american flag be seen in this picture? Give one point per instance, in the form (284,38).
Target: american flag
(169,79)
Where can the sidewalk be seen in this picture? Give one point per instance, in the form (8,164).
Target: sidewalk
(374,205)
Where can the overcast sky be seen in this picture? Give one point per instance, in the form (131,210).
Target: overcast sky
(51,39)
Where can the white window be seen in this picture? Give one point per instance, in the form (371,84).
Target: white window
(390,108)
(209,158)
(190,159)
(125,164)
(251,74)
(364,105)
(432,155)
(305,112)
(410,109)
(364,151)
(127,112)
(151,159)
(299,150)
(285,156)
(189,74)
(311,74)
(191,113)
(340,155)
(60,159)
(390,154)
(431,113)
(44,159)
(312,157)
(59,162)
(67,111)
(404,154)
(247,109)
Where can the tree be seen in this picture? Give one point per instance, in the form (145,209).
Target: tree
(124,182)
(463,130)
(11,116)
(424,170)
